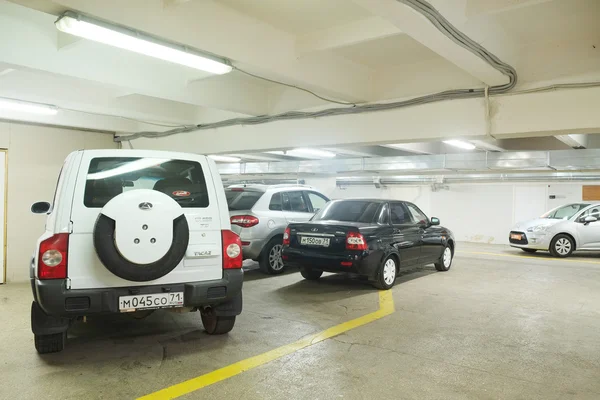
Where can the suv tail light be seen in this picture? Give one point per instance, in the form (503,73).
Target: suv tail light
(245,221)
(232,250)
(286,236)
(355,241)
(52,257)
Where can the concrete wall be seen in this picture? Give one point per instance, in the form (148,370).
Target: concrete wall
(481,213)
(35,156)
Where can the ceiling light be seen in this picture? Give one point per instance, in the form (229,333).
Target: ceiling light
(569,140)
(25,106)
(304,153)
(225,159)
(460,144)
(123,38)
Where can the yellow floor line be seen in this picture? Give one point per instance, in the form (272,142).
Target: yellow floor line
(530,257)
(386,307)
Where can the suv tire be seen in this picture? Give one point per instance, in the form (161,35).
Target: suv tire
(52,343)
(270,261)
(216,325)
(104,242)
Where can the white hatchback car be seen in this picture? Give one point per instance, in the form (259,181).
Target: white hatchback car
(134,231)
(561,230)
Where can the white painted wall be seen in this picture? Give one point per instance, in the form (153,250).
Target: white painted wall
(35,156)
(482,213)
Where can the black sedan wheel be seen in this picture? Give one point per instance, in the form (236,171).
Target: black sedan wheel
(445,261)
(311,274)
(386,277)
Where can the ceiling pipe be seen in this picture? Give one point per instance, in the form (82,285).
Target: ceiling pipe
(471,178)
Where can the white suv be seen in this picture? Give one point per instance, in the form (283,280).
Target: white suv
(134,231)
(260,214)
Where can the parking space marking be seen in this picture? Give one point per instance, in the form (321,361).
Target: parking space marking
(530,257)
(386,307)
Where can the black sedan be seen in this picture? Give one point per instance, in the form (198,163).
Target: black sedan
(372,238)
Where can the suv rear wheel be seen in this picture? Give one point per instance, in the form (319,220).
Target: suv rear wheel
(53,343)
(270,261)
(216,325)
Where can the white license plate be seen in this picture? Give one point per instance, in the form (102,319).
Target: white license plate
(150,301)
(314,241)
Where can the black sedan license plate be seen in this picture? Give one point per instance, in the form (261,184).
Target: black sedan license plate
(314,241)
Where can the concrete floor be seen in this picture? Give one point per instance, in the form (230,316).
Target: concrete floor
(496,326)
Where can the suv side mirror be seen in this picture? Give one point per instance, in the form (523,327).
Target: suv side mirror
(41,207)
(435,221)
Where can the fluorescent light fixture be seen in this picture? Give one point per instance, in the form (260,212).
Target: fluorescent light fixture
(312,153)
(304,153)
(460,144)
(27,107)
(123,38)
(569,140)
(225,159)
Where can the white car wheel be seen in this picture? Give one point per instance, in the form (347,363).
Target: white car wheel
(562,246)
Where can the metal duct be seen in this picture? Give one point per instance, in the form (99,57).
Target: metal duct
(558,160)
(472,178)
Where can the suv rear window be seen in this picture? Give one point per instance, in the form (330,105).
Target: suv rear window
(240,199)
(181,180)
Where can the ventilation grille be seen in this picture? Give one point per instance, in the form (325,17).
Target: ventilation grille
(77,303)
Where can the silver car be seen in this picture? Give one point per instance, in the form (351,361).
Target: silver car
(561,230)
(260,214)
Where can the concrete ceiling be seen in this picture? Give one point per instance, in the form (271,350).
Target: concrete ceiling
(349,50)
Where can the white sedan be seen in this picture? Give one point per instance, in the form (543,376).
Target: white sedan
(561,230)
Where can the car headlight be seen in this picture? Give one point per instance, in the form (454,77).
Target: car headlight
(538,228)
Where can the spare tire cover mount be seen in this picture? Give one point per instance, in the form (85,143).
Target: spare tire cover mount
(143,224)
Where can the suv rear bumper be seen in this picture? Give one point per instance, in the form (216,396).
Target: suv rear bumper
(224,295)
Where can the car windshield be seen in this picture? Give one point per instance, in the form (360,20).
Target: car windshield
(565,212)
(240,199)
(349,211)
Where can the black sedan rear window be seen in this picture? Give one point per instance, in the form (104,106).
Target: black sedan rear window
(349,211)
(182,180)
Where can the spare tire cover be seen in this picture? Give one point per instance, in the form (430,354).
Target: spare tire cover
(141,235)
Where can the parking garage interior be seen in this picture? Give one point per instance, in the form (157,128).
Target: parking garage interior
(483,113)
